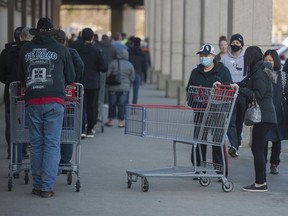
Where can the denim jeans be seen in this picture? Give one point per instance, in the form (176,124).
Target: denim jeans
(45,126)
(136,86)
(117,103)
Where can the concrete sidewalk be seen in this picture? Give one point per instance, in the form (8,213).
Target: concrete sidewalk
(104,192)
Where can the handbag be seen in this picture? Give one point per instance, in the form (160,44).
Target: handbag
(114,79)
(253,113)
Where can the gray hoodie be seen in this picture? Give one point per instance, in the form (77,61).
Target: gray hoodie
(125,68)
(234,64)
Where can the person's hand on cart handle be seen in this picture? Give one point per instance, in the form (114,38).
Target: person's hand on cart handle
(234,86)
(216,84)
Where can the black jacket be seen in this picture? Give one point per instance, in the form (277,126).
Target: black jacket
(93,64)
(259,83)
(45,66)
(78,65)
(9,66)
(280,131)
(206,79)
(138,60)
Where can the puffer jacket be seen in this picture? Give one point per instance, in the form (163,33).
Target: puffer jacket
(259,83)
(125,68)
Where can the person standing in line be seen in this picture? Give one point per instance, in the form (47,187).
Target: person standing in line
(234,61)
(118,94)
(66,150)
(45,66)
(116,42)
(6,78)
(138,60)
(279,131)
(259,85)
(206,74)
(93,65)
(223,45)
(109,53)
(9,70)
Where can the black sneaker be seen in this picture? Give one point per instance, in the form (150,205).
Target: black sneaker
(274,169)
(47,194)
(253,188)
(89,134)
(233,152)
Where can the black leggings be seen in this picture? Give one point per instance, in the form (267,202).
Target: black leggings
(258,148)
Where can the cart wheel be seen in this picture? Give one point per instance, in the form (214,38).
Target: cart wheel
(78,186)
(69,178)
(145,185)
(102,129)
(10,184)
(26,178)
(228,187)
(129,183)
(204,182)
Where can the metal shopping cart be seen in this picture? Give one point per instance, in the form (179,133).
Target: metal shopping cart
(204,121)
(71,131)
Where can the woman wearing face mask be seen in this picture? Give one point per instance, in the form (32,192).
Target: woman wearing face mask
(279,131)
(205,74)
(259,84)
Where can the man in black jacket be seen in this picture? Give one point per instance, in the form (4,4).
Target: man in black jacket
(93,65)
(66,150)
(9,65)
(138,60)
(45,66)
(8,73)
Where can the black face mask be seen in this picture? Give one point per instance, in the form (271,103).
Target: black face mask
(235,48)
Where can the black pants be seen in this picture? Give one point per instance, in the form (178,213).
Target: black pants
(258,150)
(89,109)
(234,132)
(275,152)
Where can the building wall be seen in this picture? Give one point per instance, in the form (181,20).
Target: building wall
(186,24)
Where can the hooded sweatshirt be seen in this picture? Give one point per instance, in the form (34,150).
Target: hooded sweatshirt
(235,64)
(45,66)
(125,68)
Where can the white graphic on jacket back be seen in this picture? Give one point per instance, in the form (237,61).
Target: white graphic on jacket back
(40,67)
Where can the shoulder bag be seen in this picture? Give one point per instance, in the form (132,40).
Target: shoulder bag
(114,79)
(253,113)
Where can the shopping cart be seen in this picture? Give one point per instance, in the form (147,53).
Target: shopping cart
(203,121)
(71,131)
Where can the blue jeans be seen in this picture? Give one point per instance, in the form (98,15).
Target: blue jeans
(117,102)
(136,86)
(45,126)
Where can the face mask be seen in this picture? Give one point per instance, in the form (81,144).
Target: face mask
(235,48)
(205,61)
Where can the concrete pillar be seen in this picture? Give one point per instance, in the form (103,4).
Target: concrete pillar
(116,20)
(177,48)
(192,39)
(158,34)
(165,43)
(151,29)
(128,21)
(256,25)
(55,14)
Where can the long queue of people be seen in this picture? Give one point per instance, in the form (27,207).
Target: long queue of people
(258,76)
(90,61)
(86,61)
